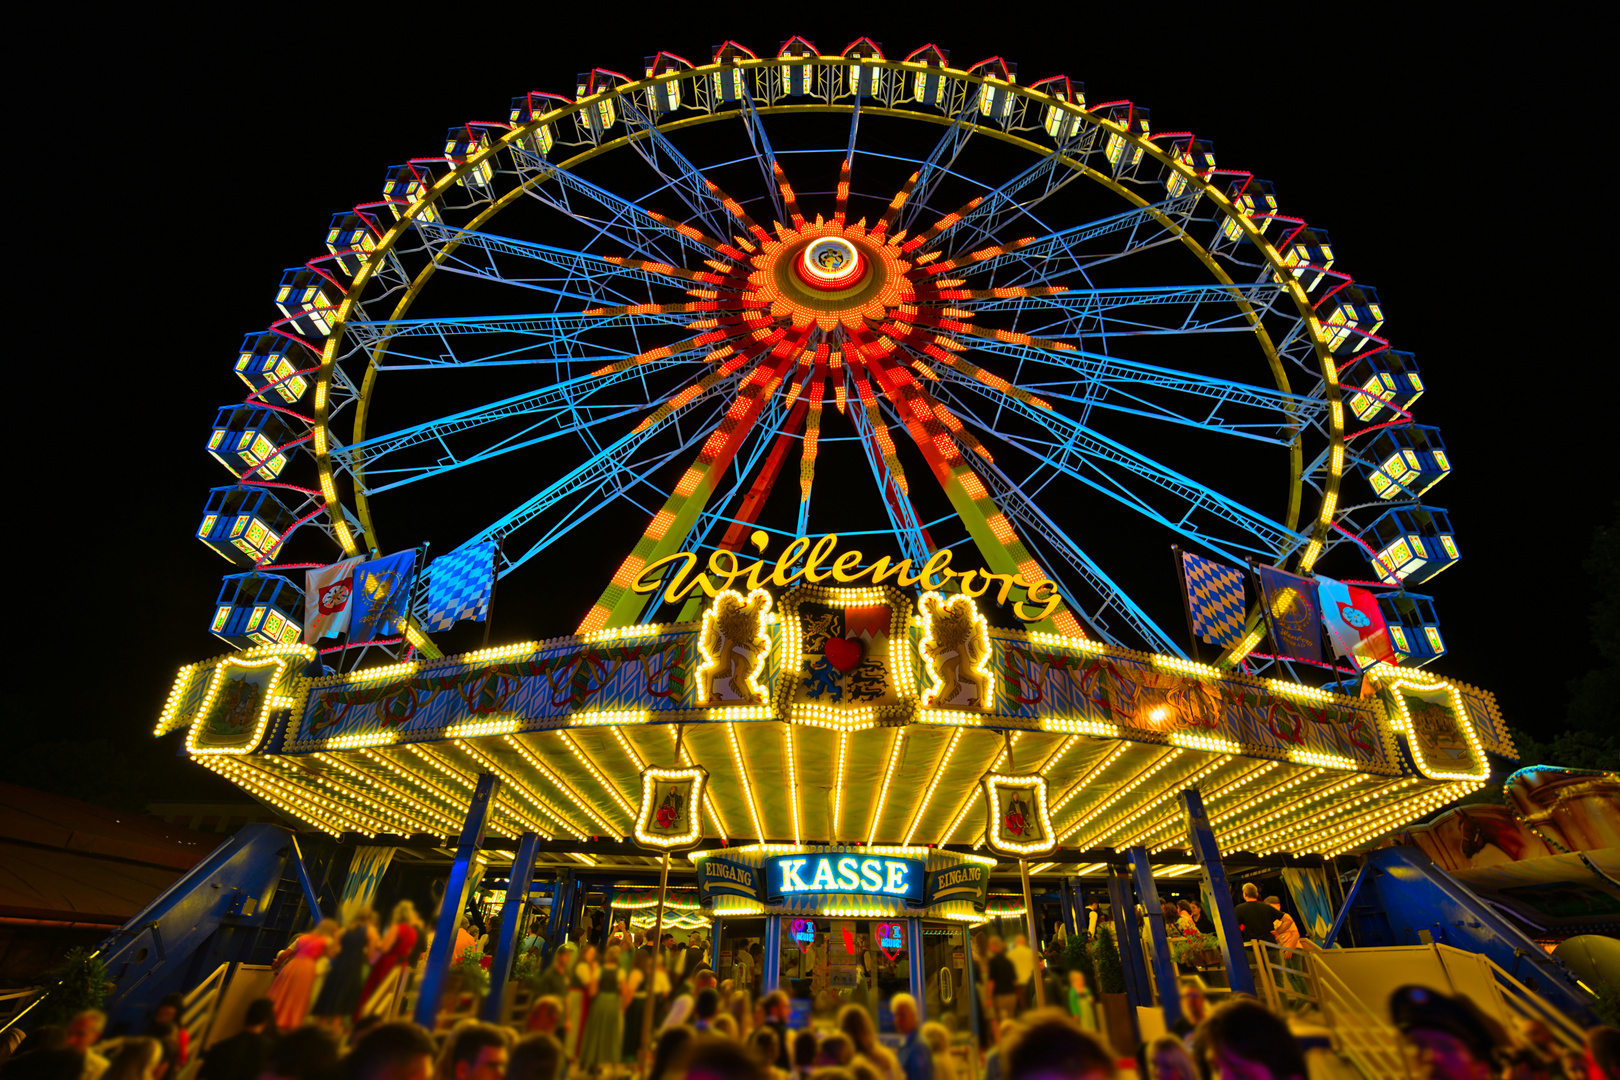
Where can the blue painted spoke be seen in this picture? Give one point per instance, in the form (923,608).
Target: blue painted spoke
(1081,312)
(938,164)
(896,503)
(684,178)
(1106,465)
(1002,206)
(609,474)
(560,409)
(548,338)
(764,153)
(1056,253)
(580,269)
(630,224)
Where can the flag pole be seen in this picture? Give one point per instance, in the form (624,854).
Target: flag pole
(494,579)
(410,594)
(1031,919)
(1271,629)
(1186,601)
(645,1056)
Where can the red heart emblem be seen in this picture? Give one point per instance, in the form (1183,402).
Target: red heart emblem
(891,939)
(844,653)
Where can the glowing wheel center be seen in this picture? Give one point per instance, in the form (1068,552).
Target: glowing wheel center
(831,263)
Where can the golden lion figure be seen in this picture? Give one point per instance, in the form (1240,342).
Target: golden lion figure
(732,648)
(956,649)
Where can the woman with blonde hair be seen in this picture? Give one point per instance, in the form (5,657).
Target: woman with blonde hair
(856,1023)
(295,973)
(137,1059)
(939,1045)
(392,950)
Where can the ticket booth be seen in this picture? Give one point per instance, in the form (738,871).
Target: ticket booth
(835,925)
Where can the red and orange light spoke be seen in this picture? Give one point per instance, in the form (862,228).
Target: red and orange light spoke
(895,206)
(841,203)
(790,201)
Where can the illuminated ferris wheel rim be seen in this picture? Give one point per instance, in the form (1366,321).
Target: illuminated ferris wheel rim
(1309,547)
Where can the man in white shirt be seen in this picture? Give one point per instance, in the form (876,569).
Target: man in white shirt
(1023,961)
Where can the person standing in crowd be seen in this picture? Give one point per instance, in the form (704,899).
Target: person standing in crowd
(777,1009)
(137,1059)
(1200,920)
(1082,1005)
(241,1056)
(168,1013)
(1255,919)
(670,1053)
(995,1063)
(396,1051)
(546,1017)
(648,989)
(1286,933)
(83,1032)
(553,981)
(581,986)
(1003,976)
(339,996)
(1051,1047)
(1446,1038)
(309,1053)
(601,1049)
(392,951)
(295,974)
(938,1038)
(764,1046)
(537,1056)
(1023,961)
(1167,1059)
(915,1059)
(534,941)
(705,1007)
(1242,1040)
(473,1051)
(1194,1008)
(856,1023)
(803,1054)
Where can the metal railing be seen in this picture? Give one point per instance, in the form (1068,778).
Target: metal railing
(1297,981)
(13,1003)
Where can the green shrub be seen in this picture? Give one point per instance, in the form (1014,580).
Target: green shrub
(1105,953)
(79,982)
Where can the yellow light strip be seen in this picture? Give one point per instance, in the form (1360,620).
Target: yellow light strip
(292,793)
(450,824)
(1074,788)
(838,791)
(529,795)
(597,774)
(939,772)
(888,775)
(418,822)
(1170,755)
(501,807)
(742,774)
(793,780)
(1347,814)
(457,807)
(708,803)
(1370,826)
(563,786)
(1175,822)
(1147,807)
(1063,748)
(242,776)
(1238,833)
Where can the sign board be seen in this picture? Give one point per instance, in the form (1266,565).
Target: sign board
(723,877)
(969,881)
(833,873)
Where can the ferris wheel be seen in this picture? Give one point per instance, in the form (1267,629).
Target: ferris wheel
(766,297)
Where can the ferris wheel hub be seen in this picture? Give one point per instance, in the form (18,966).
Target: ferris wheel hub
(831,264)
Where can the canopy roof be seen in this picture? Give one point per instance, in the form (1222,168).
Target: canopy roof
(885,745)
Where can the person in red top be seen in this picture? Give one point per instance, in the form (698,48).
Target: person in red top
(394,948)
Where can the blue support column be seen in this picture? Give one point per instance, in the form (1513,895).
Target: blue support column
(455,897)
(771,969)
(514,924)
(1208,854)
(1164,965)
(303,880)
(1071,911)
(1123,900)
(554,917)
(914,953)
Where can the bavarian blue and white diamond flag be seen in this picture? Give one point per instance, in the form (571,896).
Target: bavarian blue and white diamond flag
(459,586)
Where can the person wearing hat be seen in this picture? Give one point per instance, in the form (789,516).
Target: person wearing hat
(1447,1038)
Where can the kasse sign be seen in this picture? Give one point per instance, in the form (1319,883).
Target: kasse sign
(788,876)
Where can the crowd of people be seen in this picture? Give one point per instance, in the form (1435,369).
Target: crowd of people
(589,1011)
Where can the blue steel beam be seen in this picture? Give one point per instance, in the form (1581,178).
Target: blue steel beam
(1117,385)
(514,919)
(682,177)
(631,224)
(764,153)
(1001,206)
(431,988)
(1059,247)
(1164,965)
(1208,854)
(583,274)
(1122,904)
(564,408)
(1080,312)
(946,150)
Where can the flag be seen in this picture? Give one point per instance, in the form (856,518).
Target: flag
(382,590)
(1296,620)
(459,586)
(1355,623)
(327,595)
(1215,595)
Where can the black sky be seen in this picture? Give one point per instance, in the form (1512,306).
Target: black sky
(164,171)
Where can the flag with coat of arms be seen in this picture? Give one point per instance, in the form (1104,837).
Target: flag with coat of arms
(1355,623)
(1215,594)
(459,586)
(329,599)
(382,590)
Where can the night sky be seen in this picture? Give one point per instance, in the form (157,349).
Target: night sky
(164,174)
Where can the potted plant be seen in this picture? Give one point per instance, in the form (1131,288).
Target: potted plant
(1111,987)
(79,982)
(469,975)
